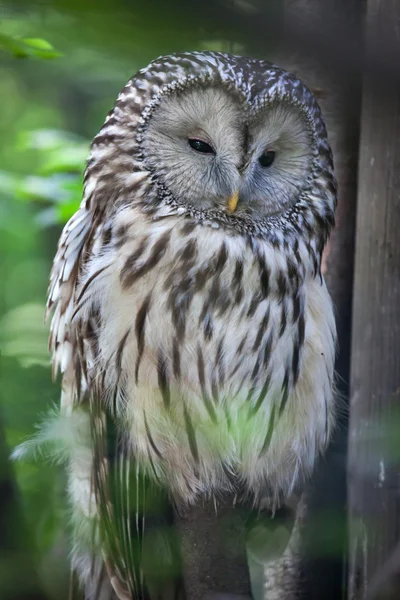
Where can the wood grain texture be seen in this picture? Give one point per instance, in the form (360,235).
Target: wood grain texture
(213,548)
(374,443)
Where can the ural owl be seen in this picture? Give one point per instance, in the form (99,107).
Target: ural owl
(192,325)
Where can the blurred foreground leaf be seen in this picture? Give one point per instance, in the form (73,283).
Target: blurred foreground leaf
(28,47)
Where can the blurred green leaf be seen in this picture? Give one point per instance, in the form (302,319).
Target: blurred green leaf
(28,47)
(65,159)
(57,178)
(38,43)
(48,189)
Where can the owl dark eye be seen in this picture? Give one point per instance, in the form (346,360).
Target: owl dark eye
(267,158)
(201,146)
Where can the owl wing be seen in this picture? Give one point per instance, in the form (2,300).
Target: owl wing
(76,236)
(71,357)
(131,534)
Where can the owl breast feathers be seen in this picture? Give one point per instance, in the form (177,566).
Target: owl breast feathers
(190,309)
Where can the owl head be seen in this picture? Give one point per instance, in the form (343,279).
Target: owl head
(234,142)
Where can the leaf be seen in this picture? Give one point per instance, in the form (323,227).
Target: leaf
(57,180)
(38,43)
(47,189)
(10,44)
(28,47)
(65,159)
(39,48)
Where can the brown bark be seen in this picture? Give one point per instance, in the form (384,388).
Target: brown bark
(213,549)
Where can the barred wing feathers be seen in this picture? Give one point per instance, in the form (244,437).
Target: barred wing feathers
(61,297)
(119,495)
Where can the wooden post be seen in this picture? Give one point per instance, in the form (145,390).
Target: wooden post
(374,440)
(213,549)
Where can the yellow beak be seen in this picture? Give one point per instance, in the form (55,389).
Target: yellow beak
(233,202)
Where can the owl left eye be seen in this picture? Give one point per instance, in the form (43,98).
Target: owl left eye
(200,146)
(267,158)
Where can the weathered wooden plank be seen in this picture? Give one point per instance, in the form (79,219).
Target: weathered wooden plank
(374,441)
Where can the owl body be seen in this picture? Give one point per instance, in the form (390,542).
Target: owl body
(192,324)
(225,359)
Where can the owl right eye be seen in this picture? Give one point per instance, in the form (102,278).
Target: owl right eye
(200,146)
(267,158)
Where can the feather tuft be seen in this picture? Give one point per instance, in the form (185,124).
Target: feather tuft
(57,439)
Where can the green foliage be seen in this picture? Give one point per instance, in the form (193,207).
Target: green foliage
(27,47)
(55,183)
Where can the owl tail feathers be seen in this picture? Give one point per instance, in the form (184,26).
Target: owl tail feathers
(137,536)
